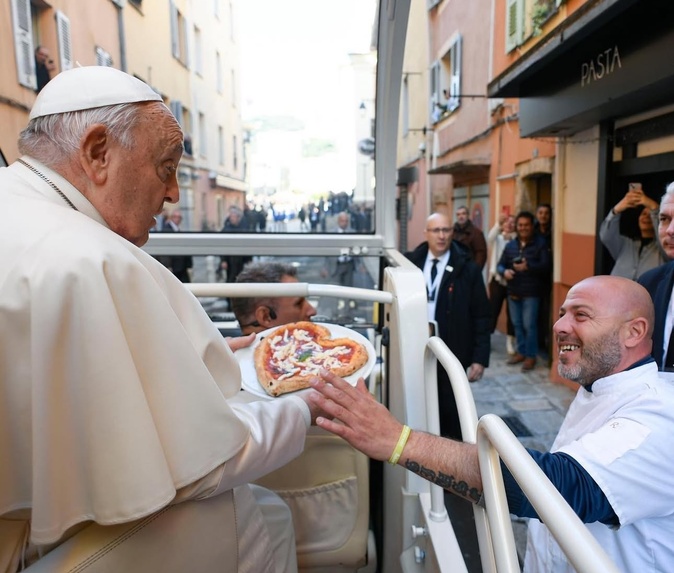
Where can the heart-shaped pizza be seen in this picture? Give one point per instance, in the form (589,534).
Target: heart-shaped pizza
(291,355)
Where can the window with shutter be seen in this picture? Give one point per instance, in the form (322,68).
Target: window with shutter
(23,43)
(436,92)
(454,58)
(175,44)
(64,41)
(514,23)
(103,58)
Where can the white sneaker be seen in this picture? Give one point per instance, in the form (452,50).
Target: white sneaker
(510,345)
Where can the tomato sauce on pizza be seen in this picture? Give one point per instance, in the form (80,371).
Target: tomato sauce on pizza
(290,356)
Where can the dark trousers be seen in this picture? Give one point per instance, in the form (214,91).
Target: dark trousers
(449,414)
(498,294)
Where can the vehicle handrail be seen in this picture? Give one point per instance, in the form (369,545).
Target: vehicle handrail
(495,441)
(437,351)
(287,289)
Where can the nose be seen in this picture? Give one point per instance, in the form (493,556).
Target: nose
(172,191)
(560,326)
(309,309)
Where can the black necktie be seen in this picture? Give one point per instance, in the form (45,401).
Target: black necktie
(668,364)
(434,270)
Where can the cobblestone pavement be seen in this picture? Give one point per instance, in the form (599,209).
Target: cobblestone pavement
(531,405)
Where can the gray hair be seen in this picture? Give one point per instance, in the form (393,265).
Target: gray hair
(668,191)
(53,139)
(259,272)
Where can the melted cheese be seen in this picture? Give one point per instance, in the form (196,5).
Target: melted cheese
(287,349)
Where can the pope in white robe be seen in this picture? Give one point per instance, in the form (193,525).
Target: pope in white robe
(118,396)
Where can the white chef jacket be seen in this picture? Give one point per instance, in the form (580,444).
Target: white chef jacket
(116,388)
(621,433)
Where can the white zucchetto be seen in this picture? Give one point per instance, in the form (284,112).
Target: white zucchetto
(90,87)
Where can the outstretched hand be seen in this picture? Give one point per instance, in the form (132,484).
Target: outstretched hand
(356,416)
(239,342)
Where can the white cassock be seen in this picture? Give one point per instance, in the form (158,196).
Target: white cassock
(117,393)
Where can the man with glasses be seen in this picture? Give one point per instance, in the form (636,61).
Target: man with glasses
(457,301)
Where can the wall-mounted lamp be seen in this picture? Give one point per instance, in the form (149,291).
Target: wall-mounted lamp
(423,129)
(422,149)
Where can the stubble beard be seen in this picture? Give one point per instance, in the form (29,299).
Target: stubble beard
(597,360)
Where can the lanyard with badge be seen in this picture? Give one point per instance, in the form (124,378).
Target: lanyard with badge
(433,281)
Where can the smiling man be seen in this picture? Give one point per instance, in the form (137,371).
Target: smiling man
(611,460)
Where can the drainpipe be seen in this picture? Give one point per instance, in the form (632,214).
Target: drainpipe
(119,4)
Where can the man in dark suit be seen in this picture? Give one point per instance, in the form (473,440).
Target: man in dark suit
(235,223)
(179,265)
(457,301)
(659,283)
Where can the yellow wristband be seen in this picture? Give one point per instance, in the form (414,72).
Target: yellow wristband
(402,441)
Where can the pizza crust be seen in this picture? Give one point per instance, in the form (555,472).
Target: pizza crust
(287,359)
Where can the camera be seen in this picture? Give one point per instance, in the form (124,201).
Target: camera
(518,260)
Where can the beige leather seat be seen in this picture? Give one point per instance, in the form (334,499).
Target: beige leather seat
(327,489)
(194,536)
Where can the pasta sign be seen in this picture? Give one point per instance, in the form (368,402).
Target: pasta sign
(603,64)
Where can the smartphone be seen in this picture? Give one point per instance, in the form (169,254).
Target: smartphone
(635,186)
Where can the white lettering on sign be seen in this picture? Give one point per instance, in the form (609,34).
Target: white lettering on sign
(603,64)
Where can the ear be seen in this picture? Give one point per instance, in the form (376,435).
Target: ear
(95,153)
(636,331)
(263,317)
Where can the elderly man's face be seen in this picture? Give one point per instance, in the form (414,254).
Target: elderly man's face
(343,220)
(438,234)
(139,180)
(292,308)
(666,225)
(177,217)
(587,335)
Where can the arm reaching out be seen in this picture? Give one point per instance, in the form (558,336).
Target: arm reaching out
(369,427)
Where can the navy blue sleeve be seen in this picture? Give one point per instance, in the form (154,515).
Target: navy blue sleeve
(577,487)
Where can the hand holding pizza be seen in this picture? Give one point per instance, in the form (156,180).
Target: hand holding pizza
(357,417)
(239,342)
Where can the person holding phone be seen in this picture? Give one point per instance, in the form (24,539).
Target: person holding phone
(633,256)
(524,264)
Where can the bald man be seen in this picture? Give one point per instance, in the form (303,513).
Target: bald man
(612,457)
(457,301)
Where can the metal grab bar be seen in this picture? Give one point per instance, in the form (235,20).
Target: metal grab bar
(437,349)
(495,439)
(287,289)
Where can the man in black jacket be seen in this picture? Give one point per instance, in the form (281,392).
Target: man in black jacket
(457,301)
(659,282)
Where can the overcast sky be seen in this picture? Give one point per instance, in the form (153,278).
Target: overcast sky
(291,51)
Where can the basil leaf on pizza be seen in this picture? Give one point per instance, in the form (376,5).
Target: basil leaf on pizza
(291,355)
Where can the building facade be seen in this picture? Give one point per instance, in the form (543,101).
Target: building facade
(185,50)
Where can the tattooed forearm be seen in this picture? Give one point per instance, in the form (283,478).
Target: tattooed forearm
(445,481)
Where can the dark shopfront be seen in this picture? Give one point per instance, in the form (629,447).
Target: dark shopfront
(610,60)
